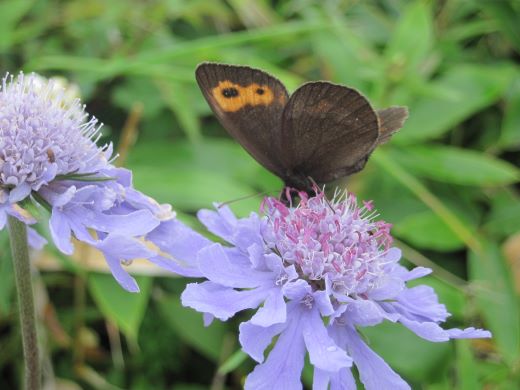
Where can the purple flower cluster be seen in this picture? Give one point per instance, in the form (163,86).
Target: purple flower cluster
(48,155)
(314,272)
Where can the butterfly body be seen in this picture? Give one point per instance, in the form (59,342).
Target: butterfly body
(322,132)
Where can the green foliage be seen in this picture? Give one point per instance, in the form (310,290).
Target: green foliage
(448,181)
(125,310)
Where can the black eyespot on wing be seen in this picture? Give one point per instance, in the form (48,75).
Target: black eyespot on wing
(260,91)
(229,92)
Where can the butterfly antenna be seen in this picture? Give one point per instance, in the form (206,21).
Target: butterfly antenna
(244,198)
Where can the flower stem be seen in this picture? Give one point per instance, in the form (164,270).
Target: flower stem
(22,273)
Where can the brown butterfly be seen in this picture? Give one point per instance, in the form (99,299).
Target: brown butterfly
(322,132)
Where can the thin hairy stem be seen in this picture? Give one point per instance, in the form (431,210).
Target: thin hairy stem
(22,273)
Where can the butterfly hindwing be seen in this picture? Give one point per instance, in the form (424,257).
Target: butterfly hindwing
(328,131)
(391,120)
(249,104)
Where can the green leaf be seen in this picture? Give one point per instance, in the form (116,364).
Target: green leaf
(466,367)
(506,14)
(193,176)
(510,132)
(455,165)
(125,309)
(458,226)
(188,324)
(473,87)
(138,90)
(504,216)
(188,386)
(194,189)
(412,38)
(11,12)
(347,55)
(180,99)
(427,230)
(497,300)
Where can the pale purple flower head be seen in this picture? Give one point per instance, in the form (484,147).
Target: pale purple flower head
(48,155)
(314,272)
(42,137)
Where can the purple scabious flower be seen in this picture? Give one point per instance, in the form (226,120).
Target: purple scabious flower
(314,272)
(49,156)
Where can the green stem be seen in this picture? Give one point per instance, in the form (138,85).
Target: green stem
(22,273)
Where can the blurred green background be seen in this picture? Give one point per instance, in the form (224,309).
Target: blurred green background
(448,181)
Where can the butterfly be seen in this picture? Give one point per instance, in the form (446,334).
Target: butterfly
(320,133)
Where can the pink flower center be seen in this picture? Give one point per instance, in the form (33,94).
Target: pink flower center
(335,240)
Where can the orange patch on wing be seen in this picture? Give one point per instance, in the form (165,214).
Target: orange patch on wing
(232,97)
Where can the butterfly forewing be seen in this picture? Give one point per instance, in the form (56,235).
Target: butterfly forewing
(328,131)
(249,104)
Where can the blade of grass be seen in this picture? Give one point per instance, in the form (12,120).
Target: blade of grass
(156,62)
(232,362)
(271,33)
(418,259)
(421,191)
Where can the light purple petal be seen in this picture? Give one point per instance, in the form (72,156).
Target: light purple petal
(262,261)
(222,302)
(56,199)
(320,380)
(393,255)
(341,380)
(255,339)
(117,248)
(19,213)
(282,368)
(391,287)
(121,275)
(367,313)
(322,299)
(373,370)
(124,248)
(80,231)
(416,273)
(173,265)
(432,332)
(20,192)
(221,222)
(273,311)
(247,232)
(181,242)
(60,232)
(36,241)
(422,301)
(207,319)
(257,257)
(3,217)
(469,333)
(137,223)
(323,351)
(296,290)
(217,267)
(427,330)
